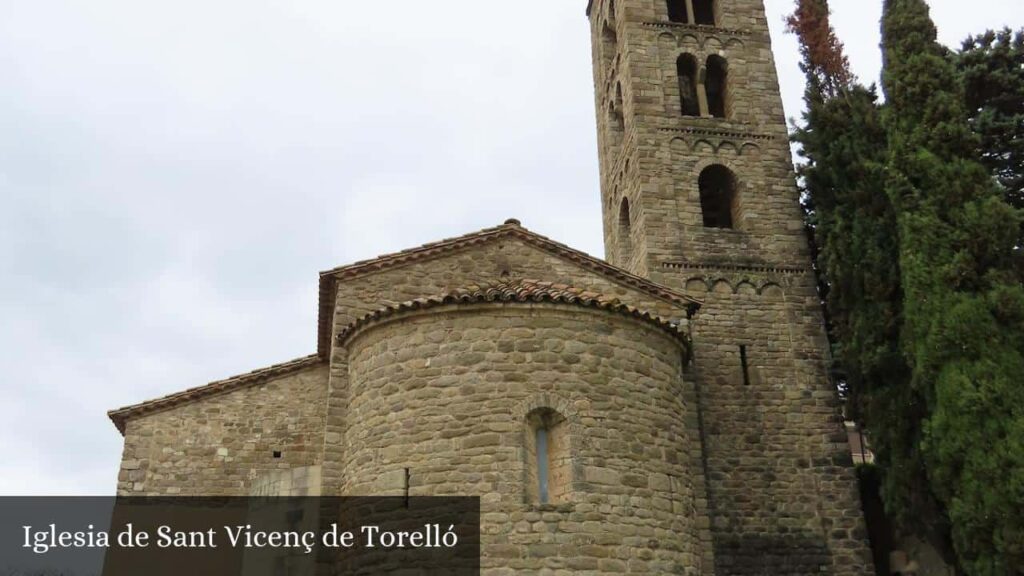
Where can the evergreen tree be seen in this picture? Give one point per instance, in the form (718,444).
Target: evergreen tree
(844,146)
(992,66)
(963,307)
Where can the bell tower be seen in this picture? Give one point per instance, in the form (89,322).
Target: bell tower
(695,161)
(698,193)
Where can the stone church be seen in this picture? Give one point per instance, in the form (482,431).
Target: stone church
(665,410)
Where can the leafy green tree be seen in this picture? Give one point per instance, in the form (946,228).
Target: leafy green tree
(963,305)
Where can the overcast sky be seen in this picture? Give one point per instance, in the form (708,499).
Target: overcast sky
(173,175)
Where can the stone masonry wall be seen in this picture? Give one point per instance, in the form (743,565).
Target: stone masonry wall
(221,445)
(657,166)
(482,263)
(447,392)
(782,492)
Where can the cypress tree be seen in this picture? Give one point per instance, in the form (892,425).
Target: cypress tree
(844,146)
(992,66)
(963,305)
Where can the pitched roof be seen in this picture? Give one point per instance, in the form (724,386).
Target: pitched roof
(523,291)
(538,291)
(510,229)
(121,416)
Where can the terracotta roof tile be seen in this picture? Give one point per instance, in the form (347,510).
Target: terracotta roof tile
(121,415)
(522,291)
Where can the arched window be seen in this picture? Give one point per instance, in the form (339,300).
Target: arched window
(677,11)
(716,84)
(686,68)
(618,123)
(704,12)
(625,233)
(609,44)
(616,127)
(616,119)
(718,197)
(549,477)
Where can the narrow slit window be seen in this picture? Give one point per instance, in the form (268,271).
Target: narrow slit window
(542,465)
(548,473)
(746,365)
(625,233)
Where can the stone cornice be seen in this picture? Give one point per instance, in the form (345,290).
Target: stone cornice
(703,28)
(721,133)
(726,267)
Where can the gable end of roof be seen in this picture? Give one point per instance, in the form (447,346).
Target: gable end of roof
(511,229)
